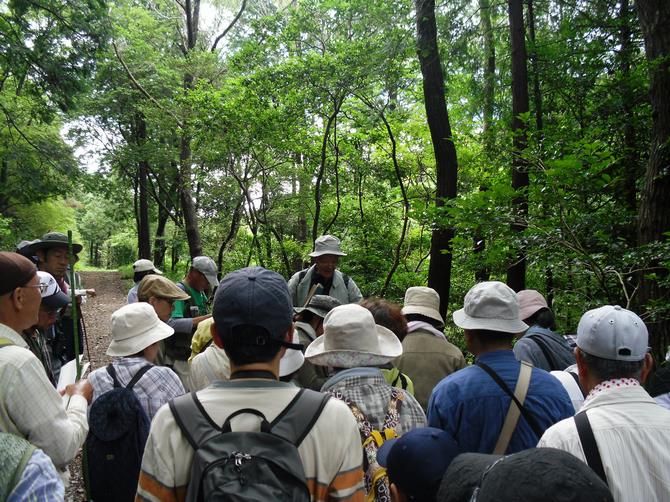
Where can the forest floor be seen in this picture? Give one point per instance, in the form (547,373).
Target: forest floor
(111,292)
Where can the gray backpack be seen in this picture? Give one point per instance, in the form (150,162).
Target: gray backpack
(248,466)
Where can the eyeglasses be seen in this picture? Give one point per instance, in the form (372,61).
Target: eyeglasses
(43,287)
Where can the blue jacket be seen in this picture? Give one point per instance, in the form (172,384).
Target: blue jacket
(471,406)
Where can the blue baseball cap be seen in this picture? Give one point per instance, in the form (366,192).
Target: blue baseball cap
(417,461)
(253,296)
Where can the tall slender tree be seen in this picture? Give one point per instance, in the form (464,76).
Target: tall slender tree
(439,271)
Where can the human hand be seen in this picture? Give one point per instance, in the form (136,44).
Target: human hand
(82,387)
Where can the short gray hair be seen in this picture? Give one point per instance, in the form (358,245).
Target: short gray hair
(608,369)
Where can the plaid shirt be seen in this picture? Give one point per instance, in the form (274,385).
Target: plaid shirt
(369,391)
(156,387)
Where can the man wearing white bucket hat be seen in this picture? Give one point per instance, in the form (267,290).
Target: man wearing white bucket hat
(136,333)
(355,346)
(475,405)
(323,278)
(427,355)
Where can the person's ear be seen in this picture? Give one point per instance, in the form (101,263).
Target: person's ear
(215,336)
(647,367)
(17,298)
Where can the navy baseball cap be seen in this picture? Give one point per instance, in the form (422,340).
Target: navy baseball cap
(254,296)
(417,461)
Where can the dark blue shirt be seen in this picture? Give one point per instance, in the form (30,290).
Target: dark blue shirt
(471,406)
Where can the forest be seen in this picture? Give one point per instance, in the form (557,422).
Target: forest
(445,143)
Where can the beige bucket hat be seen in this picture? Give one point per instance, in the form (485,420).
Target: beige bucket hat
(424,301)
(134,328)
(530,301)
(351,338)
(490,305)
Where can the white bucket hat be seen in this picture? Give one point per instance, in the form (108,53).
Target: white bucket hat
(292,360)
(327,244)
(351,338)
(134,328)
(491,306)
(424,301)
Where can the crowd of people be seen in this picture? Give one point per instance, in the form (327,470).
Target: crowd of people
(259,388)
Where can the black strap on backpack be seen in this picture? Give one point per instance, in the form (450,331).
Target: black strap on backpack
(576,377)
(292,424)
(524,411)
(188,302)
(589,445)
(545,351)
(303,273)
(140,373)
(403,381)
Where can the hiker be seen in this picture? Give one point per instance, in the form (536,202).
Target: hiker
(187,314)
(126,395)
(161,293)
(659,384)
(323,278)
(253,324)
(427,355)
(27,472)
(534,475)
(309,326)
(52,255)
(390,316)
(141,268)
(356,347)
(213,364)
(621,432)
(53,299)
(416,463)
(136,332)
(569,379)
(475,404)
(30,407)
(541,345)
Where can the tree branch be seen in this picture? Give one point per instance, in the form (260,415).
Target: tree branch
(230,26)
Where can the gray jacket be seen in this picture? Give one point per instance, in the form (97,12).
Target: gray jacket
(345,293)
(528,349)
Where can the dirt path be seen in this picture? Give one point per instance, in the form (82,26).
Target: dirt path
(111,294)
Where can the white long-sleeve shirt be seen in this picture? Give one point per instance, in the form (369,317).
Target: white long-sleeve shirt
(31,407)
(633,437)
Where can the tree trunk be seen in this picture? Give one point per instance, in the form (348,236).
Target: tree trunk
(159,240)
(143,231)
(482,273)
(516,273)
(654,216)
(439,271)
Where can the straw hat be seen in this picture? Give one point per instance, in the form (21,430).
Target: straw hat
(351,338)
(424,301)
(134,328)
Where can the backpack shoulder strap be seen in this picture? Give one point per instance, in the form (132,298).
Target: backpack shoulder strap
(298,418)
(140,373)
(112,373)
(545,351)
(192,419)
(188,301)
(526,414)
(513,412)
(579,384)
(589,445)
(345,278)
(5,342)
(302,275)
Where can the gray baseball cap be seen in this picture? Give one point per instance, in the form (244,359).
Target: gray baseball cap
(612,332)
(319,305)
(253,296)
(206,266)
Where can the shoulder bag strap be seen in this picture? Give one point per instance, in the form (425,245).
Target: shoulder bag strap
(576,377)
(140,373)
(298,418)
(513,412)
(526,414)
(545,351)
(589,445)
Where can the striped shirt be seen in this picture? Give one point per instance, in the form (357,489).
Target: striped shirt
(331,451)
(156,387)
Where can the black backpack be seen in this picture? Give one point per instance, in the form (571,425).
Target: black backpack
(118,431)
(248,466)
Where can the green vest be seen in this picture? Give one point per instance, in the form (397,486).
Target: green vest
(15,452)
